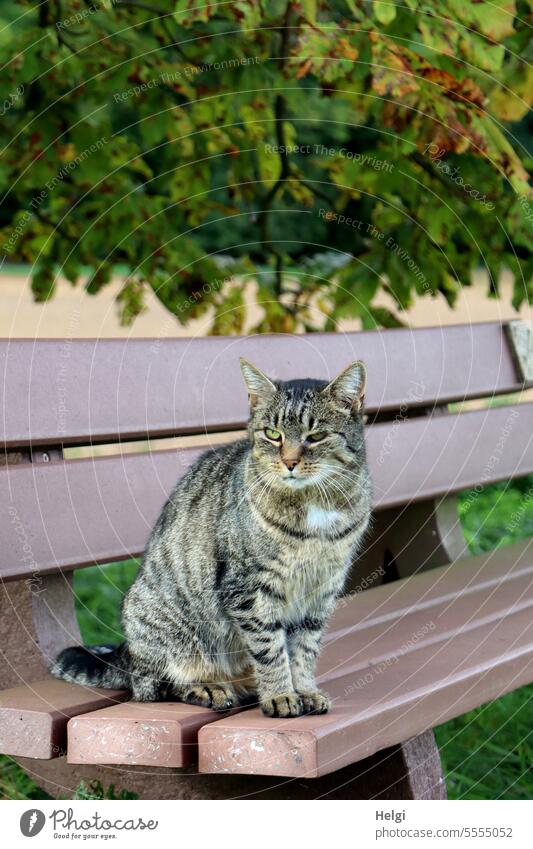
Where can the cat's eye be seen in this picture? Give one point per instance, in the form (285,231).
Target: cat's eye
(275,435)
(316,437)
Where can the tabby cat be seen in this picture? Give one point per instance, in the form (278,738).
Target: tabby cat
(247,559)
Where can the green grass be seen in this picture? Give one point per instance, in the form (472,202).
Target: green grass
(99,592)
(486,754)
(498,515)
(15,783)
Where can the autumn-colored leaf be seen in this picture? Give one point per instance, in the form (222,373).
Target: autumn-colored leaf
(463,90)
(324,151)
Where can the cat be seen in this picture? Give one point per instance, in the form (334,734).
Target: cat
(247,559)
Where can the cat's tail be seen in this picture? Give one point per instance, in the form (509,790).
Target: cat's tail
(97,666)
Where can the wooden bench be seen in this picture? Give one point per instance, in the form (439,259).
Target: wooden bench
(434,634)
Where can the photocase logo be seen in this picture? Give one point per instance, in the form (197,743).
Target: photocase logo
(32,822)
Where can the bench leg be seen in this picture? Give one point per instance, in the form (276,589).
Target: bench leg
(423,769)
(37,620)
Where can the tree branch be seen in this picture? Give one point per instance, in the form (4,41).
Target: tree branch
(435,173)
(280,114)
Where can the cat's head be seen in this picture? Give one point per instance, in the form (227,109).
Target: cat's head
(304,431)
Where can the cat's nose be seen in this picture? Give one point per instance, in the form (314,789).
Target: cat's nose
(290,462)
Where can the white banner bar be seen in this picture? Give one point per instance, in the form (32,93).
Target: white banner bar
(352,823)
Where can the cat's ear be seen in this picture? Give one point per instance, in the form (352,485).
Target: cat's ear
(348,389)
(260,387)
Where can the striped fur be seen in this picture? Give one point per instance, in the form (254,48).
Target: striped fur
(247,558)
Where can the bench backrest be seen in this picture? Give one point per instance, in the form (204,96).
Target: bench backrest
(62,514)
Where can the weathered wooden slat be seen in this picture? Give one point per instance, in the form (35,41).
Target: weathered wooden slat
(423,591)
(429,456)
(463,596)
(81,512)
(371,644)
(71,391)
(71,514)
(141,734)
(355,728)
(33,717)
(414,677)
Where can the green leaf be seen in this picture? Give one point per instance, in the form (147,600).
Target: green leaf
(383,317)
(385,12)
(309,10)
(154,142)
(43,284)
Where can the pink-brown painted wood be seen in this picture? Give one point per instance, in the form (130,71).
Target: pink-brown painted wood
(394,679)
(428,457)
(164,734)
(464,578)
(66,391)
(419,691)
(368,634)
(376,641)
(69,514)
(409,771)
(107,506)
(33,717)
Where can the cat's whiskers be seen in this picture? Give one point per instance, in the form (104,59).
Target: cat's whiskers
(336,485)
(343,470)
(258,481)
(338,471)
(336,475)
(267,486)
(345,496)
(324,495)
(264,484)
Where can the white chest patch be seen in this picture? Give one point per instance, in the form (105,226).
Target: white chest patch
(319,519)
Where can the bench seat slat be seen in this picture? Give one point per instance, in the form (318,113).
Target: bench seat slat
(428,688)
(33,717)
(457,597)
(471,594)
(73,390)
(377,641)
(81,512)
(135,733)
(480,648)
(427,589)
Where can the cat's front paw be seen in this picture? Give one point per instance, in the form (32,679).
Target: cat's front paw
(317,702)
(215,696)
(284,705)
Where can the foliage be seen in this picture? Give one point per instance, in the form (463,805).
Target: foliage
(488,752)
(99,592)
(17,784)
(497,515)
(190,142)
(94,790)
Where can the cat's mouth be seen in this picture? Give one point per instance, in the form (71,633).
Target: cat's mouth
(298,481)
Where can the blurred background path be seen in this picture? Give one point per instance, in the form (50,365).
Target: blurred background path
(73,314)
